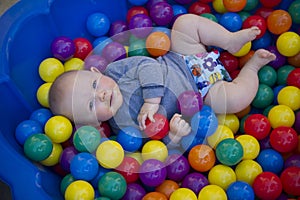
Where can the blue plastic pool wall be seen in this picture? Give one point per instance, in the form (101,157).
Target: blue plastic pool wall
(26,32)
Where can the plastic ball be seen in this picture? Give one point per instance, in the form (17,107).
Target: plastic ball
(247,171)
(281,115)
(191,140)
(290,179)
(194,181)
(135,10)
(282,74)
(59,129)
(80,190)
(155,149)
(294,11)
(275,161)
(41,115)
(99,44)
(74,64)
(212,192)
(27,128)
(177,167)
(66,156)
(222,176)
(289,96)
(270,4)
(155,195)
(63,48)
(158,129)
(110,154)
(158,44)
(229,120)
(234,5)
(209,16)
(50,68)
(138,48)
(258,21)
(264,96)
(240,190)
(112,185)
(129,169)
(288,44)
(119,32)
(284,139)
(113,51)
(279,61)
(262,184)
(189,103)
(83,48)
(222,132)
(38,147)
(250,146)
(183,193)
(201,158)
(231,21)
(244,50)
(218,6)
(230,62)
(279,21)
(292,161)
(42,94)
(229,152)
(98,24)
(161,13)
(95,61)
(178,9)
(65,182)
(140,25)
(167,187)
(263,42)
(53,158)
(152,172)
(134,191)
(86,139)
(297,121)
(293,78)
(250,5)
(130,139)
(183,1)
(258,126)
(267,75)
(137,2)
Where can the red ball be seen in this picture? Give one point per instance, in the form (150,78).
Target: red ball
(129,169)
(158,129)
(264,12)
(293,78)
(270,3)
(258,126)
(290,178)
(267,186)
(234,73)
(230,62)
(104,129)
(284,139)
(256,20)
(199,8)
(136,10)
(83,48)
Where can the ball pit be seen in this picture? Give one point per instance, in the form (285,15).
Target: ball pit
(267,130)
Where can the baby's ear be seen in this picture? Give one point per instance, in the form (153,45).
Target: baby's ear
(94,69)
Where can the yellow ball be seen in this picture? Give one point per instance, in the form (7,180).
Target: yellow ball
(42,94)
(183,193)
(247,170)
(244,50)
(250,146)
(229,120)
(289,96)
(281,115)
(222,176)
(50,68)
(53,159)
(288,44)
(219,6)
(59,129)
(110,154)
(212,192)
(155,149)
(222,132)
(136,155)
(80,190)
(74,64)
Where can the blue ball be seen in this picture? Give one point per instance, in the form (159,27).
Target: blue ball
(178,9)
(231,21)
(84,166)
(262,43)
(100,43)
(270,161)
(130,139)
(162,29)
(98,24)
(137,2)
(240,190)
(276,90)
(27,128)
(204,123)
(100,173)
(41,115)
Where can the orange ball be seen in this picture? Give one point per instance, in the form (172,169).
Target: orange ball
(154,196)
(234,5)
(158,44)
(167,187)
(294,60)
(243,112)
(202,158)
(279,21)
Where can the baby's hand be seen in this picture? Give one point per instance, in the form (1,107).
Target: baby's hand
(178,128)
(147,111)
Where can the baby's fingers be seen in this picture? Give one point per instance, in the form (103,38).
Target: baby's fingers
(142,121)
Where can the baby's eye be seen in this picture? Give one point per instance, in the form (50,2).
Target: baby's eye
(94,84)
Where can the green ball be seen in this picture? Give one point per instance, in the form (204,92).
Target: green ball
(86,139)
(267,75)
(242,122)
(38,147)
(267,110)
(294,11)
(244,15)
(112,185)
(264,96)
(250,5)
(229,152)
(282,74)
(138,48)
(65,182)
(210,16)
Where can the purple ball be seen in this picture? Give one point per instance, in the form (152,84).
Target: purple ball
(153,172)
(95,61)
(189,102)
(177,167)
(194,181)
(183,1)
(150,3)
(280,59)
(292,161)
(161,13)
(63,48)
(119,32)
(134,191)
(297,122)
(66,157)
(265,143)
(140,25)
(113,51)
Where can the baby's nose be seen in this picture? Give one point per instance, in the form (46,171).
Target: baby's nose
(103,95)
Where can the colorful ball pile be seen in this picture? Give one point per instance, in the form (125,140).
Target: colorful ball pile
(228,156)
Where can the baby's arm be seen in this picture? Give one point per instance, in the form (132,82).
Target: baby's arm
(178,128)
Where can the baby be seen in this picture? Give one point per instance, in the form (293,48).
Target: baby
(133,89)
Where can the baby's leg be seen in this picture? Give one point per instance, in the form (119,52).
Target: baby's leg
(232,97)
(192,33)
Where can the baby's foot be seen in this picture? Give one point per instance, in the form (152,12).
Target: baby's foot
(260,58)
(241,37)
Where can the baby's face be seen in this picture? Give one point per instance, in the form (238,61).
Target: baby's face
(94,97)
